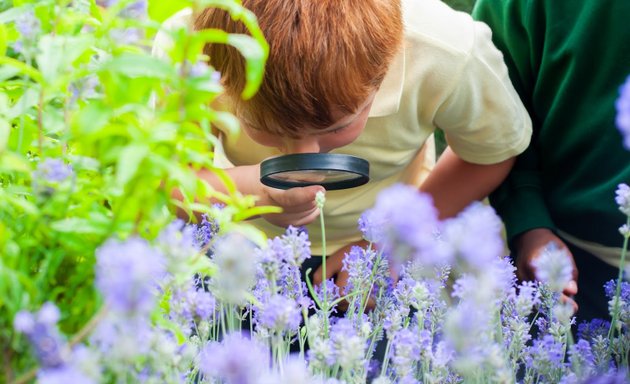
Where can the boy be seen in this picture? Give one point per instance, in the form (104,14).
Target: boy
(370,78)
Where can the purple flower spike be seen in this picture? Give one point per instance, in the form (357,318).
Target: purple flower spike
(622,198)
(623,112)
(43,335)
(126,273)
(63,375)
(280,313)
(52,171)
(401,235)
(554,267)
(474,236)
(235,360)
(27,24)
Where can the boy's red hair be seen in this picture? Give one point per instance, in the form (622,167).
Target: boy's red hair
(324,55)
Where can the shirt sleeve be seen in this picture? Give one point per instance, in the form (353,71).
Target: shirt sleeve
(482,116)
(519,199)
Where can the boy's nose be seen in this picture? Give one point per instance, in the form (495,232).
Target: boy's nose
(303,145)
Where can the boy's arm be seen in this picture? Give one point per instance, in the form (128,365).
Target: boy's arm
(455,183)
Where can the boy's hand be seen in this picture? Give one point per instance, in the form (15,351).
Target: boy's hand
(529,246)
(298,205)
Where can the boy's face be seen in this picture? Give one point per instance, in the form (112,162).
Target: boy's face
(344,131)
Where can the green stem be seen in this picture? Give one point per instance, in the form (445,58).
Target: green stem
(615,314)
(325,299)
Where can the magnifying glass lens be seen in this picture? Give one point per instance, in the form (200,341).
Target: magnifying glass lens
(315,176)
(332,171)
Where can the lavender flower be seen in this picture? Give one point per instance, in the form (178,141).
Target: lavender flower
(610,288)
(581,358)
(205,231)
(135,10)
(528,297)
(235,360)
(545,356)
(85,88)
(332,292)
(554,267)
(620,377)
(403,223)
(193,305)
(623,198)
(474,236)
(347,343)
(43,334)
(405,352)
(63,375)
(50,175)
(123,338)
(280,313)
(53,170)
(292,247)
(236,260)
(591,330)
(623,112)
(358,263)
(28,25)
(412,293)
(126,274)
(294,371)
(178,244)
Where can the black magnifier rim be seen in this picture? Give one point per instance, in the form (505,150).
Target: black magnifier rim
(315,162)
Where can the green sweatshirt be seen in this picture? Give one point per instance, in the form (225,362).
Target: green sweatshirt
(567,59)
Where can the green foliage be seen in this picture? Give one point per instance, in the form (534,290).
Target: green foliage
(78,87)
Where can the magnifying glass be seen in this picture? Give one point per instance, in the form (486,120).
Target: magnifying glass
(330,170)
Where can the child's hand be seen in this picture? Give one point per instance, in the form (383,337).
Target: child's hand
(298,205)
(529,245)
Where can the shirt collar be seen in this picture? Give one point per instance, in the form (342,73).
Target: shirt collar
(387,98)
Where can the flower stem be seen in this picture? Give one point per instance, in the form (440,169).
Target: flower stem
(320,204)
(615,314)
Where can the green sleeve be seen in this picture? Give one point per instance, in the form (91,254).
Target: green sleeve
(519,199)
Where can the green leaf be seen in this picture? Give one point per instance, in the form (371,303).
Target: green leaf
(22,67)
(79,225)
(8,72)
(228,122)
(91,119)
(3,39)
(256,211)
(57,54)
(12,13)
(137,65)
(29,99)
(5,129)
(21,203)
(11,162)
(129,161)
(255,56)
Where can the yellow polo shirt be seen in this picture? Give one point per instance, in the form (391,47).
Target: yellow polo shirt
(448,74)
